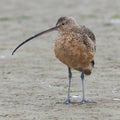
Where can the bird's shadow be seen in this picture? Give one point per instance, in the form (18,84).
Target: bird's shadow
(77,103)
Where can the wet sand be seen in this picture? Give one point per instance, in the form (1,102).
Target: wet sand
(33,83)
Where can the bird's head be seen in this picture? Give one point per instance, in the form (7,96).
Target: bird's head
(65,24)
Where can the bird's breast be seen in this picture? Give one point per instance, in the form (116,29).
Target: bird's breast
(71,50)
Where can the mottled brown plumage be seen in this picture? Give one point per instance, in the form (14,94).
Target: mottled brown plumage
(75,45)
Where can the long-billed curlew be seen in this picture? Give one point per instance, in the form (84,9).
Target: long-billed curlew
(75,46)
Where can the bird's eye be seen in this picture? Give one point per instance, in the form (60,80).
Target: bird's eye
(63,24)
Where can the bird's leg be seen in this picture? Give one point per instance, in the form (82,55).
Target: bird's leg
(83,101)
(83,90)
(69,82)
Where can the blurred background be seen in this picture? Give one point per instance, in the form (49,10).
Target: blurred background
(33,80)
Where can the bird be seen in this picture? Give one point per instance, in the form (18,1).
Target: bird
(75,46)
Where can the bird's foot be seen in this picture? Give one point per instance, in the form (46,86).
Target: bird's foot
(67,101)
(84,101)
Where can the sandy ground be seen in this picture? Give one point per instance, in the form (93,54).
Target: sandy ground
(33,81)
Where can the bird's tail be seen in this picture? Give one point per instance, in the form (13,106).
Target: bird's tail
(88,70)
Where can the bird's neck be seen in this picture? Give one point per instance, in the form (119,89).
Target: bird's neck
(72,29)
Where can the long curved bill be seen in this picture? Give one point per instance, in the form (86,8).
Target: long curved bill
(41,33)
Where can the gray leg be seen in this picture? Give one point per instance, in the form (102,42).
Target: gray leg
(83,90)
(83,101)
(69,82)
